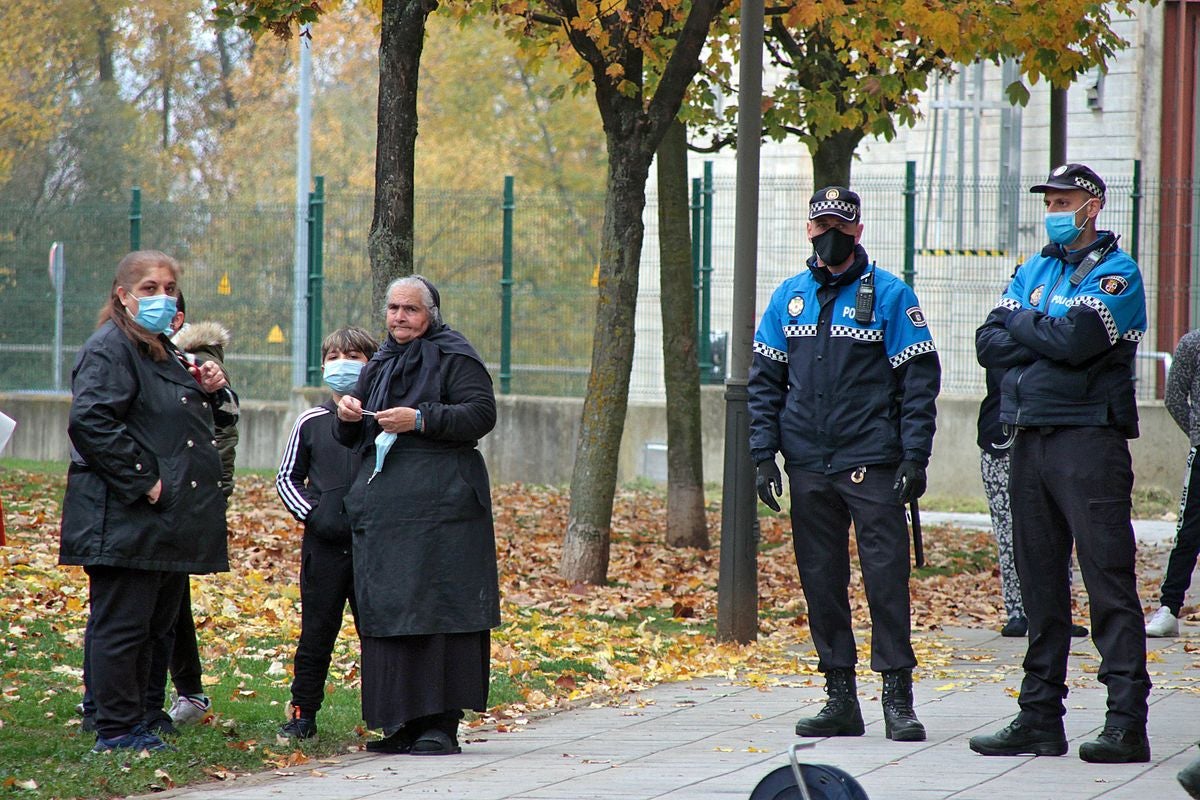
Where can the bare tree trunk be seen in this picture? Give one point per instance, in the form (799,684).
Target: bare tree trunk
(104,48)
(164,36)
(633,131)
(686,523)
(594,478)
(390,242)
(226,63)
(832,158)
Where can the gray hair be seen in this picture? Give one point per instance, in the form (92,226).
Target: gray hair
(421,284)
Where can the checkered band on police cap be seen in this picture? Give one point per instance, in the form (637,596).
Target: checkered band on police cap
(1073,176)
(836,200)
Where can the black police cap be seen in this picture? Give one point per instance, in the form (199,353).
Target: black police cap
(1073,176)
(836,200)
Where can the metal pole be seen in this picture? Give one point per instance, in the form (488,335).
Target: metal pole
(58,274)
(1135,222)
(695,208)
(303,178)
(135,219)
(506,284)
(910,222)
(316,279)
(706,269)
(737,589)
(1058,126)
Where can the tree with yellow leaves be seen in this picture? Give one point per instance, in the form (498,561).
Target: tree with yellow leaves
(857,69)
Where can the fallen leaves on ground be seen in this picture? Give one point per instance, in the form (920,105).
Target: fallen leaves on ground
(558,642)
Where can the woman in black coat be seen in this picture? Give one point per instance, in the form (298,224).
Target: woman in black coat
(143,505)
(420,510)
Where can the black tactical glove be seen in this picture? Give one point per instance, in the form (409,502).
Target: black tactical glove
(770,483)
(910,481)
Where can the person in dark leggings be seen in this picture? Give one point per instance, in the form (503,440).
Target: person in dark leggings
(1183,402)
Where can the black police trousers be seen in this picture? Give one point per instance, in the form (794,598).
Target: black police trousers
(822,508)
(326,585)
(1074,485)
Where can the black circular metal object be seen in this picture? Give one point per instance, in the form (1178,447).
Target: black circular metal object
(823,782)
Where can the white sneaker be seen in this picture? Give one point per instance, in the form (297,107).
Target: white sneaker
(1163,624)
(190,709)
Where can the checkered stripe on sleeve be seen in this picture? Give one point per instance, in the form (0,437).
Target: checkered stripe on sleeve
(912,350)
(770,352)
(1097,305)
(1009,303)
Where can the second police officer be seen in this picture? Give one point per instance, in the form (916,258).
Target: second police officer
(843,384)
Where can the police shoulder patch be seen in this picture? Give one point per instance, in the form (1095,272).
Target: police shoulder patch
(795,306)
(1113,284)
(1035,297)
(917,316)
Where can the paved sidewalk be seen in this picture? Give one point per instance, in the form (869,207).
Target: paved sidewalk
(714,739)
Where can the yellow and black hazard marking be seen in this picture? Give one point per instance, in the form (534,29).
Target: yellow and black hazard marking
(933,251)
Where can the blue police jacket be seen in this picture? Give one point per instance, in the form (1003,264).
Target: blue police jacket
(1068,350)
(832,394)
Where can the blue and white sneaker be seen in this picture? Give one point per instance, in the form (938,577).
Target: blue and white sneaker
(136,740)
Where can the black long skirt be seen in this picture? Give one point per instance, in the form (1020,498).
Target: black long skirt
(406,677)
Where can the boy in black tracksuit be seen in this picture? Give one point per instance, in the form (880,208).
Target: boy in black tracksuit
(314,476)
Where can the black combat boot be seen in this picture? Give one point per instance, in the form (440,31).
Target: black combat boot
(841,715)
(900,723)
(1117,746)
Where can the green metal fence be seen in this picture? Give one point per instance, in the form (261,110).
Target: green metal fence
(516,271)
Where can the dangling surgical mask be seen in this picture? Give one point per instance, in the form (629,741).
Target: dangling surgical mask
(154,312)
(833,247)
(1060,225)
(341,374)
(383,443)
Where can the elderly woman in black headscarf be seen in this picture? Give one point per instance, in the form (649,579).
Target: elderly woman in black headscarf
(420,509)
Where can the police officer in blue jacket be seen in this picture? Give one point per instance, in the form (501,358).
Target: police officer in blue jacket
(1066,332)
(843,383)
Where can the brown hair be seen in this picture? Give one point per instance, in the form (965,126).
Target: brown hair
(351,337)
(132,268)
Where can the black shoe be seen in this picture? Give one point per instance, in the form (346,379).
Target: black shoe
(435,742)
(1016,739)
(299,726)
(158,723)
(397,743)
(1189,778)
(1116,746)
(900,723)
(841,715)
(1078,631)
(1015,628)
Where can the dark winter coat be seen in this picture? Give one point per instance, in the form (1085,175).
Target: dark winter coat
(206,341)
(134,421)
(424,545)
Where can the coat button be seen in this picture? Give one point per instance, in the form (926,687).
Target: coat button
(191,443)
(193,484)
(214,442)
(183,400)
(138,466)
(204,403)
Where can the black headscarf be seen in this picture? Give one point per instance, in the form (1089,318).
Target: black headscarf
(409,374)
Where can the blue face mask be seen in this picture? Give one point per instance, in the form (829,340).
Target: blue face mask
(155,312)
(1060,226)
(341,374)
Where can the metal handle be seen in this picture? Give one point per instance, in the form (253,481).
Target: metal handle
(804,795)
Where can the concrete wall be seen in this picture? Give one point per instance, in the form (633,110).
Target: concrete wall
(534,439)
